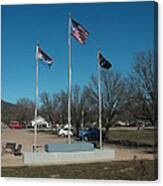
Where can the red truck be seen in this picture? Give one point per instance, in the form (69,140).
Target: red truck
(15,125)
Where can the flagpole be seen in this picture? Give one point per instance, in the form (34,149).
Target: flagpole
(99,95)
(36,99)
(69,79)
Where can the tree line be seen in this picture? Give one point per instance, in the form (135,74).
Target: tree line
(128,99)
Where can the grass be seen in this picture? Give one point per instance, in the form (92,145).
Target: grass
(117,170)
(145,136)
(139,136)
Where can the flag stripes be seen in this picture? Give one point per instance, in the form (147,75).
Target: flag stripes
(40,54)
(79,32)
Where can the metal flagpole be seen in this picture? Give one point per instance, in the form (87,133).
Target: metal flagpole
(69,79)
(82,124)
(35,116)
(99,94)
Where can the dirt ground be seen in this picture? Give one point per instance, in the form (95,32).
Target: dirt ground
(26,138)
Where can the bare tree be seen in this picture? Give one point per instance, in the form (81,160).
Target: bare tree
(77,105)
(112,96)
(90,101)
(47,107)
(54,108)
(26,110)
(142,88)
(62,98)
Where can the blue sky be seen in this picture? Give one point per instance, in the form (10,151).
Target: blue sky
(120,29)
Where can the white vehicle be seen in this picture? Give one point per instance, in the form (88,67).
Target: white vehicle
(41,122)
(64,132)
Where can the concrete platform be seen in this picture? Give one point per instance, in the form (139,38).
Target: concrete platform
(53,158)
(74,147)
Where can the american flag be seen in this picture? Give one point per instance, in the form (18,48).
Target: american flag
(41,55)
(79,32)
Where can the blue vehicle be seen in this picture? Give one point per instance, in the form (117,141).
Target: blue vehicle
(90,134)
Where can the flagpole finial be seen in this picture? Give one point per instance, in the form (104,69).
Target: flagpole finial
(38,43)
(98,52)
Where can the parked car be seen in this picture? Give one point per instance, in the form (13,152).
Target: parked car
(64,132)
(15,125)
(90,134)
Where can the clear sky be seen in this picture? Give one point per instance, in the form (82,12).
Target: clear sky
(120,29)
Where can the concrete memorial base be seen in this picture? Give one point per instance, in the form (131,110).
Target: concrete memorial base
(74,147)
(53,158)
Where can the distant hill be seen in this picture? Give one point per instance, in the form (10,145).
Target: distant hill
(9,111)
(18,112)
